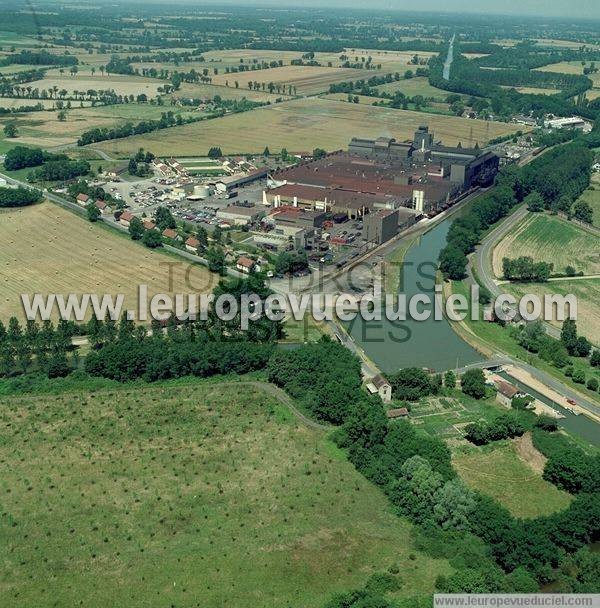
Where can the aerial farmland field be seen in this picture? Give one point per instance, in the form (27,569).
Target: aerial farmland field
(306,79)
(303,125)
(413,86)
(160,495)
(79,257)
(122,85)
(551,239)
(571,67)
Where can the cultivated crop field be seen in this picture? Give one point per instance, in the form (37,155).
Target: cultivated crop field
(303,125)
(307,79)
(78,257)
(571,67)
(203,91)
(45,129)
(499,472)
(587,292)
(414,86)
(121,84)
(551,239)
(189,493)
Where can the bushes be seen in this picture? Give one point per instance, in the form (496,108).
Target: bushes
(472,383)
(410,384)
(19,197)
(568,466)
(324,377)
(60,170)
(505,426)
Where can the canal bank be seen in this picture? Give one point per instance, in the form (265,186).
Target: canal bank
(432,343)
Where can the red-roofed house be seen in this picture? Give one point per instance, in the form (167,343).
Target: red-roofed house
(169,233)
(82,199)
(126,218)
(245,264)
(192,244)
(102,206)
(149,225)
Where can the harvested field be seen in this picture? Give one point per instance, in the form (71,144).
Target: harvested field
(202,91)
(303,125)
(79,257)
(185,493)
(122,85)
(414,86)
(571,67)
(587,292)
(534,90)
(307,80)
(548,238)
(499,472)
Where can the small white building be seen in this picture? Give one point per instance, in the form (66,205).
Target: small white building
(382,387)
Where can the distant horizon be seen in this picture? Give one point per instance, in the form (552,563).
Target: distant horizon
(576,10)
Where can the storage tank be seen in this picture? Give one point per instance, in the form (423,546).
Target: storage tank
(202,191)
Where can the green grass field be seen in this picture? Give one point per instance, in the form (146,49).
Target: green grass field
(551,239)
(498,471)
(304,124)
(592,197)
(188,493)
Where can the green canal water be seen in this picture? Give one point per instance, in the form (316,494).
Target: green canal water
(392,345)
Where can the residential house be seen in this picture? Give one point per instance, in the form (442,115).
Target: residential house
(149,225)
(169,233)
(192,244)
(245,264)
(102,206)
(82,199)
(383,387)
(506,393)
(126,218)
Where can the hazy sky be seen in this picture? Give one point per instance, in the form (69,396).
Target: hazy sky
(543,8)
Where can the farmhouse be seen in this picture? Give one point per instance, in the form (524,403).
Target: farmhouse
(169,233)
(382,387)
(506,393)
(192,244)
(126,218)
(245,265)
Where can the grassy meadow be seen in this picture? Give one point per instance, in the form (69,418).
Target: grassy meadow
(79,257)
(189,493)
(498,471)
(304,124)
(592,197)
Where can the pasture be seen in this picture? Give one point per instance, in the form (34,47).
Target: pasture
(305,124)
(548,238)
(498,471)
(307,80)
(533,90)
(46,249)
(188,492)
